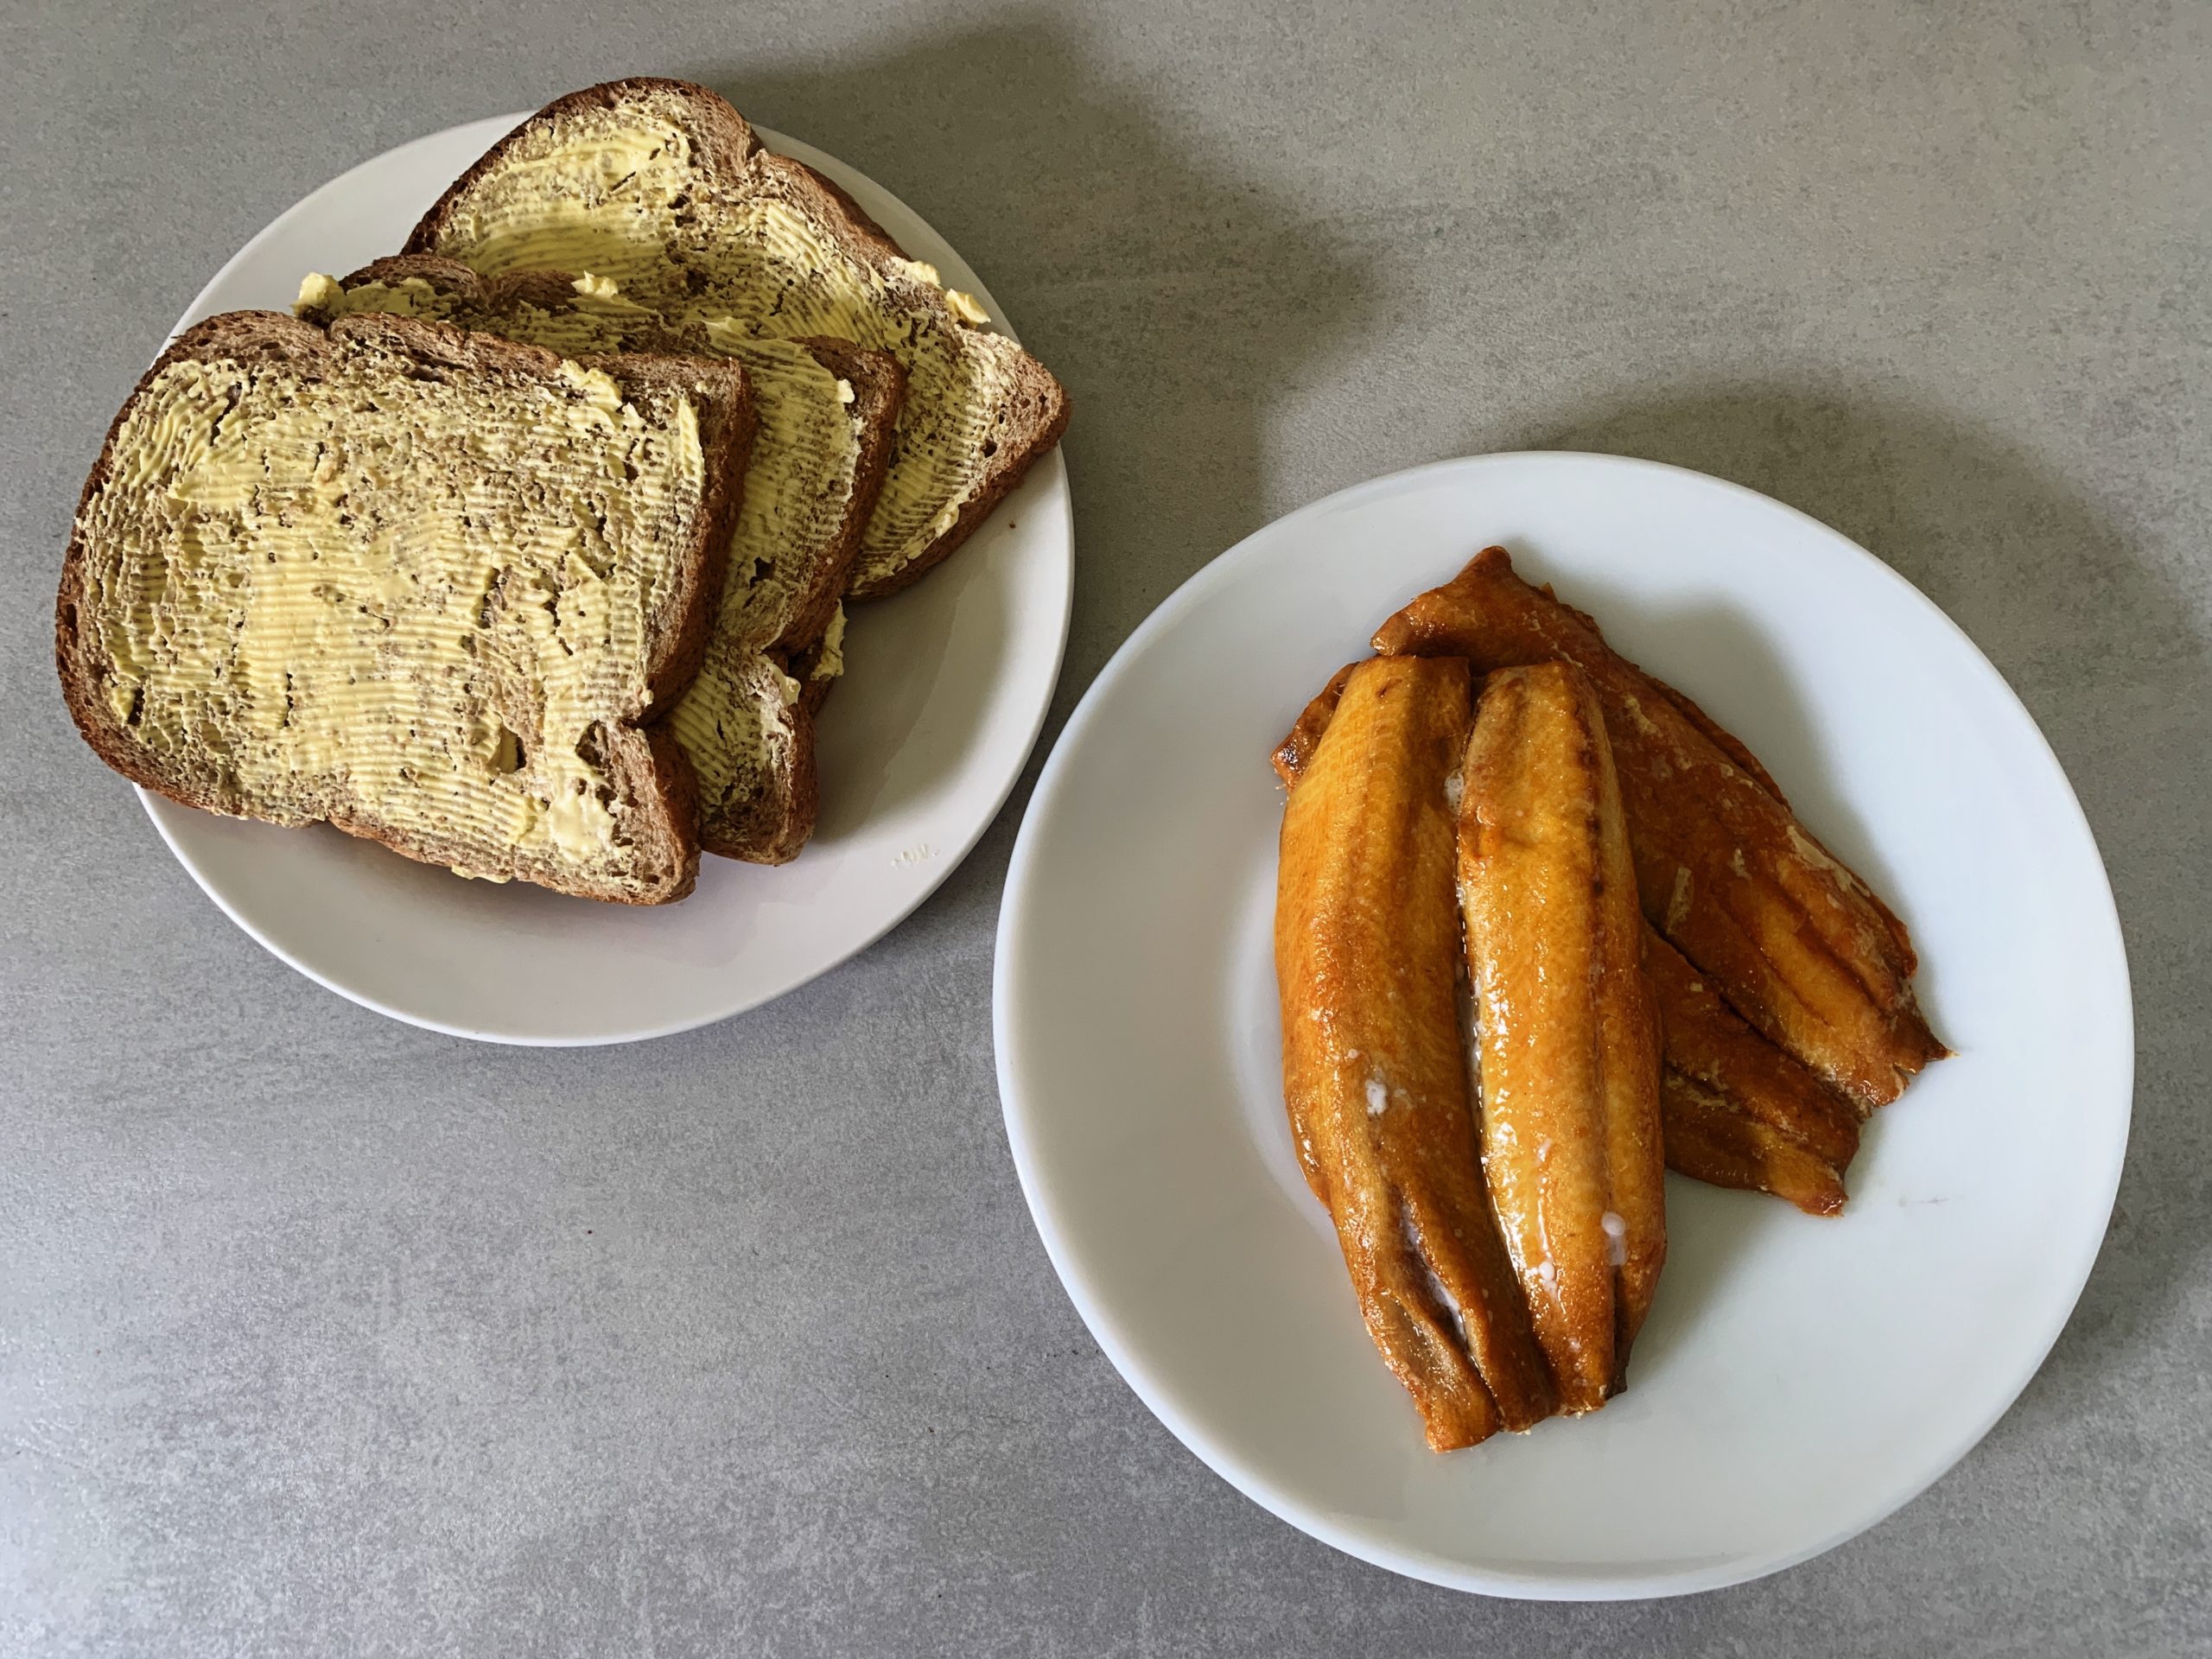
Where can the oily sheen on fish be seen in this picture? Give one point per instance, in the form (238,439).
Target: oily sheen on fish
(1738,1111)
(1569,1042)
(1795,942)
(1374,1069)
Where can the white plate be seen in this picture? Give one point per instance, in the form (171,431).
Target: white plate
(945,691)
(1799,1378)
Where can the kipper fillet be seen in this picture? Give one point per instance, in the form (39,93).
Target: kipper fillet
(1739,1112)
(1736,1110)
(1796,943)
(1374,1069)
(1569,1041)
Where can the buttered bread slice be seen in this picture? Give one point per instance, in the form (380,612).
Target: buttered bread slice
(422,584)
(662,188)
(824,411)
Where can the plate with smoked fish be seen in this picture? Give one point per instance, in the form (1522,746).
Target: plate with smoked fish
(1563,1028)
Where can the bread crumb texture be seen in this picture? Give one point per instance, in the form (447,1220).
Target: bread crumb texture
(622,193)
(798,488)
(392,593)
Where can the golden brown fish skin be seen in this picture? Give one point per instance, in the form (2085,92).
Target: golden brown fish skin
(1724,739)
(1794,941)
(1709,1043)
(1297,748)
(1630,1048)
(1375,1069)
(1572,1142)
(1735,1110)
(1709,1140)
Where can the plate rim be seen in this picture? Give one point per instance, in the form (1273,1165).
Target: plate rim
(1020,894)
(1049,469)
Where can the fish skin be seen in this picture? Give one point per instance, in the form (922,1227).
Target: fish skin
(1375,1068)
(1735,1110)
(1795,942)
(1628,1032)
(1711,1044)
(1709,1140)
(1297,747)
(1573,1147)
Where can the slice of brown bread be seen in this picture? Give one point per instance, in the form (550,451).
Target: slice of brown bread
(825,409)
(662,187)
(422,584)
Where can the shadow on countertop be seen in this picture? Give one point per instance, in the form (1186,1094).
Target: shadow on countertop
(2098,646)
(1034,156)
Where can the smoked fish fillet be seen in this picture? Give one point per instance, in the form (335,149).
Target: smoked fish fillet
(1710,1139)
(1738,1111)
(1374,1069)
(1798,945)
(1568,1036)
(1294,750)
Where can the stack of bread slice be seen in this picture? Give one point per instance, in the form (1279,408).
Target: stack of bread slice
(632,376)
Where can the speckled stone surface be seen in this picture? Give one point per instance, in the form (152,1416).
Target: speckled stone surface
(323,1336)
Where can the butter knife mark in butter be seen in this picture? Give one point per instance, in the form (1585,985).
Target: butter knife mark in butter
(798,484)
(337,586)
(622,199)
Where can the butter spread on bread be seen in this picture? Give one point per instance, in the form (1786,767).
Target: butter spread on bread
(817,458)
(661,188)
(422,584)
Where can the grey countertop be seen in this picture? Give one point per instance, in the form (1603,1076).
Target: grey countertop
(320,1335)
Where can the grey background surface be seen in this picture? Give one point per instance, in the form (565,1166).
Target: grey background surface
(320,1335)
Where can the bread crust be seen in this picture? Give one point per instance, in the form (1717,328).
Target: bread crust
(663,793)
(1042,410)
(725,139)
(731,157)
(879,392)
(778,831)
(778,837)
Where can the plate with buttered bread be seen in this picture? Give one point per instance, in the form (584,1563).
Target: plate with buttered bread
(1563,1028)
(467,585)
